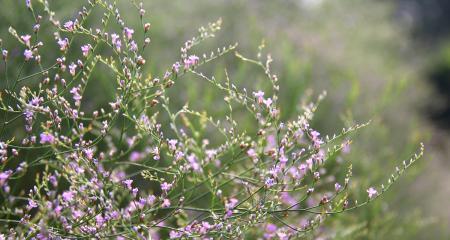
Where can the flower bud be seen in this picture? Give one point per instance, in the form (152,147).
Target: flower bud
(147,27)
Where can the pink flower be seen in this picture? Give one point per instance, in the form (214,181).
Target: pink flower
(151,199)
(114,38)
(118,44)
(135,156)
(190,61)
(179,155)
(76,95)
(337,187)
(372,192)
(47,138)
(31,204)
(28,54)
(166,186)
(287,199)
(268,102)
(259,95)
(68,196)
(231,203)
(72,69)
(4,177)
(192,159)
(346,147)
(69,25)
(316,139)
(302,168)
(166,203)
(26,39)
(63,44)
(283,159)
(156,152)
(77,213)
(128,33)
(99,220)
(89,153)
(133,46)
(252,154)
(270,231)
(269,182)
(176,67)
(271,228)
(175,234)
(127,183)
(116,41)
(172,144)
(85,49)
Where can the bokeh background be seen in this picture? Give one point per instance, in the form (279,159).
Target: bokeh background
(382,60)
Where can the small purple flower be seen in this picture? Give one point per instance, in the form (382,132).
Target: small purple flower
(68,196)
(85,49)
(89,153)
(252,154)
(192,159)
(135,156)
(133,46)
(346,147)
(172,144)
(28,3)
(76,95)
(190,61)
(76,213)
(176,67)
(26,39)
(283,159)
(127,183)
(372,192)
(166,203)
(156,152)
(268,102)
(337,187)
(271,228)
(72,69)
(53,180)
(229,205)
(270,182)
(47,138)
(63,44)
(175,234)
(69,25)
(179,155)
(259,95)
(151,199)
(4,177)
(28,54)
(118,44)
(114,38)
(128,33)
(116,41)
(31,204)
(99,220)
(166,186)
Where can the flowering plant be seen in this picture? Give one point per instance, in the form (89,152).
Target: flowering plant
(141,167)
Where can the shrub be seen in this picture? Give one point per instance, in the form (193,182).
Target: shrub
(144,167)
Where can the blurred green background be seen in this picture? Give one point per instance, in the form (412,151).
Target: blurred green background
(385,61)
